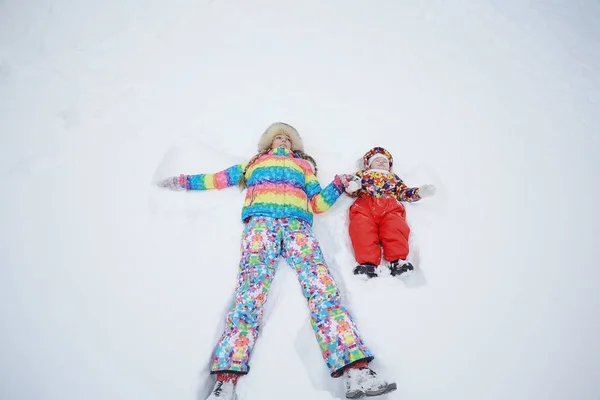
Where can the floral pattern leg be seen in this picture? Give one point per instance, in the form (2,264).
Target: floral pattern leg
(336,332)
(260,251)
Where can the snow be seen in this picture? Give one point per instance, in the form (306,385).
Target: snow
(115,289)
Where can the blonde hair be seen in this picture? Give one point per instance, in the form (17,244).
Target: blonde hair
(242,182)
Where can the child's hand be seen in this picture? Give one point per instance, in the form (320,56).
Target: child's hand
(172,183)
(426,190)
(342,180)
(354,185)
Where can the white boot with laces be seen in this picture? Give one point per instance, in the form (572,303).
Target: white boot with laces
(223,391)
(365,382)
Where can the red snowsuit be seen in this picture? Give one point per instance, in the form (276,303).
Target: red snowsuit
(377,218)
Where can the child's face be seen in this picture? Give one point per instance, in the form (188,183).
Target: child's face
(281,140)
(380,163)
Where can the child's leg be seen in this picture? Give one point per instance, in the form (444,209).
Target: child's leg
(335,330)
(260,251)
(394,233)
(364,233)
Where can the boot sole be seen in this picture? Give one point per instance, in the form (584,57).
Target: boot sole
(359,393)
(355,395)
(404,275)
(390,388)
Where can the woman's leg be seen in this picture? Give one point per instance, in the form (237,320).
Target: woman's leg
(336,333)
(260,251)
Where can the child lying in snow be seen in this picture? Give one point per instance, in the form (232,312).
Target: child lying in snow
(377,218)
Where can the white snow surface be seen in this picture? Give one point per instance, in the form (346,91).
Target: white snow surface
(113,288)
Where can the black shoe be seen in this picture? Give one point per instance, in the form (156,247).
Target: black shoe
(401,268)
(365,271)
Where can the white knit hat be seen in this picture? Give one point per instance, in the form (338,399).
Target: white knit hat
(376,155)
(280,128)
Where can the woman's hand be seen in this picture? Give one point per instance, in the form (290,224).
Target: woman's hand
(173,183)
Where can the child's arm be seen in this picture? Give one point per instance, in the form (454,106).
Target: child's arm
(219,180)
(404,193)
(321,199)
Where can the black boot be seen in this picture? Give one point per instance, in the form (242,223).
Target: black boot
(365,271)
(401,268)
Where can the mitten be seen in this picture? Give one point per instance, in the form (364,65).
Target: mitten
(426,190)
(173,183)
(354,185)
(342,180)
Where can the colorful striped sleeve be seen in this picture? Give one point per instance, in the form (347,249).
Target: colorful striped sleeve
(404,193)
(219,180)
(321,199)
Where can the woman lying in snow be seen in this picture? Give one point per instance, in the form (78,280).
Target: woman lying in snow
(283,193)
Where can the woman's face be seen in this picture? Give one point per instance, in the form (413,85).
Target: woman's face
(282,140)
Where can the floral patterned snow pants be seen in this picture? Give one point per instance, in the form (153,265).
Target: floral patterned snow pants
(264,240)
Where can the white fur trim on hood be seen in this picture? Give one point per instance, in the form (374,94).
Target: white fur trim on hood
(280,128)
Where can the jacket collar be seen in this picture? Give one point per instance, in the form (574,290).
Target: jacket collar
(282,151)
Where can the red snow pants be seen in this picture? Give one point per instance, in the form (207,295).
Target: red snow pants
(377,222)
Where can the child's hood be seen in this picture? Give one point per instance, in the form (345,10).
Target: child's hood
(374,151)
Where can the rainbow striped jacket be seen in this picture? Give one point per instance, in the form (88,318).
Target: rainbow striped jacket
(280,185)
